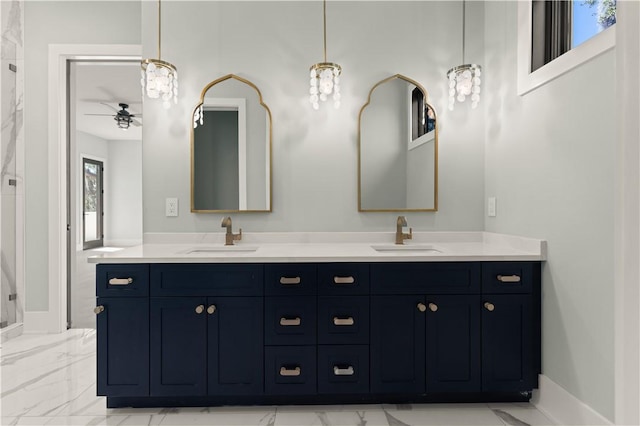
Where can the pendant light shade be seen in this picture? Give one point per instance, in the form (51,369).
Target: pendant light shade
(324,76)
(159,79)
(464,80)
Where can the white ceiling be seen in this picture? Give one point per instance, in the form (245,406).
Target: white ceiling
(110,83)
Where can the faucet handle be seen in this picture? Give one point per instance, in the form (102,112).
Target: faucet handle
(409,236)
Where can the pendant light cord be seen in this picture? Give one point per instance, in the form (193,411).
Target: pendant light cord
(159,23)
(464,9)
(324,14)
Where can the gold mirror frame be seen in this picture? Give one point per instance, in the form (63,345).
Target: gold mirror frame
(270,175)
(435,141)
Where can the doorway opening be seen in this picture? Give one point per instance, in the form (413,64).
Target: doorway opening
(104,172)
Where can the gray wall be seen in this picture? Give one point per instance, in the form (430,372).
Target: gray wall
(550,163)
(273,44)
(124,198)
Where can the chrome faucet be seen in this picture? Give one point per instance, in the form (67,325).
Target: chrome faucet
(230,237)
(400,236)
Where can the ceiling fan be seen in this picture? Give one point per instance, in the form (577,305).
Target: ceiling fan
(122,117)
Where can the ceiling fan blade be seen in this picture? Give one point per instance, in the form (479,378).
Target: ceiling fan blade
(103,115)
(114,109)
(136,123)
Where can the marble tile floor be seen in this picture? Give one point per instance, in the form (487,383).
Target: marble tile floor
(50,380)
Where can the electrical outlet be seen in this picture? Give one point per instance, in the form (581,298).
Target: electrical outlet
(491,207)
(171,207)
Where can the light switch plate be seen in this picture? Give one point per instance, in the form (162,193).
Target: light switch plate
(491,207)
(171,207)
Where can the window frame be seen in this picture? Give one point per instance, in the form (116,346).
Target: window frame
(527,80)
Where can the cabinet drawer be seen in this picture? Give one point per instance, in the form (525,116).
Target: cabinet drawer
(290,370)
(343,369)
(290,279)
(420,278)
(343,278)
(509,277)
(207,280)
(343,320)
(290,320)
(122,280)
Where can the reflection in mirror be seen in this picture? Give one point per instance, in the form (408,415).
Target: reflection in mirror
(398,148)
(231,149)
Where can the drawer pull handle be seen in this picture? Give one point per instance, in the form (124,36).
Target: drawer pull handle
(422,307)
(120,281)
(344,280)
(284,371)
(290,280)
(98,309)
(508,278)
(290,321)
(199,309)
(433,307)
(211,309)
(337,371)
(489,306)
(343,321)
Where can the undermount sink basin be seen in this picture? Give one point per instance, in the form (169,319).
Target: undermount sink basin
(406,248)
(222,249)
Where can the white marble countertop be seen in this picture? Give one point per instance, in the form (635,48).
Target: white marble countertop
(328,247)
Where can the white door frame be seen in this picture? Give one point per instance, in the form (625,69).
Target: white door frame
(55,319)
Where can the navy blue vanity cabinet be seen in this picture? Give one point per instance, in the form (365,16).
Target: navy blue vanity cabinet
(429,340)
(122,318)
(290,323)
(397,345)
(211,344)
(510,326)
(208,334)
(343,328)
(178,346)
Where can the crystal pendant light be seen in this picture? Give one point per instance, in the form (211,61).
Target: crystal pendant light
(464,80)
(159,78)
(324,76)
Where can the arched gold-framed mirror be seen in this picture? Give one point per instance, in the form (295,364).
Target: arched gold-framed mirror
(397,149)
(231,144)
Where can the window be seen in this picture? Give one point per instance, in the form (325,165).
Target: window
(555,36)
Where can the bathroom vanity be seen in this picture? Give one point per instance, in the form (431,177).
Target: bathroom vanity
(183,325)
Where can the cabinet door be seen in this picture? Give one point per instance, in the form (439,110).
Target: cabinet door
(397,345)
(453,343)
(178,346)
(507,333)
(123,346)
(235,346)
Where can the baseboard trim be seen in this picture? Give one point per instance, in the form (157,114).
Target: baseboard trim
(11,332)
(562,407)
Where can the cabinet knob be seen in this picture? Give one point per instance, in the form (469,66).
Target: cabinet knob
(422,307)
(199,309)
(98,309)
(211,309)
(489,306)
(433,307)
